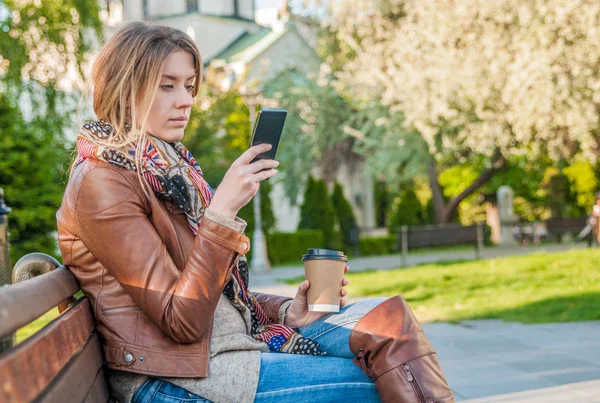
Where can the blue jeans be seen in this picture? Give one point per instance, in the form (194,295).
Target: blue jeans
(298,378)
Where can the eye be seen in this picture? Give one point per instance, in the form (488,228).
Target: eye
(190,88)
(167,86)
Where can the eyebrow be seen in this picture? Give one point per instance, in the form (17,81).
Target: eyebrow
(176,78)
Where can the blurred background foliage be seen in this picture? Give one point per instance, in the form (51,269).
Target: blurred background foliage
(438,150)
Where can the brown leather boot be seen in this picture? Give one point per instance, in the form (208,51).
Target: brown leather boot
(392,349)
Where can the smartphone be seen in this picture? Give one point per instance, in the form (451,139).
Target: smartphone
(267,129)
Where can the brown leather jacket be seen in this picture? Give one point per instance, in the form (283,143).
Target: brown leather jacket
(153,286)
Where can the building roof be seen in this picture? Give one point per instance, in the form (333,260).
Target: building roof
(249,45)
(186,13)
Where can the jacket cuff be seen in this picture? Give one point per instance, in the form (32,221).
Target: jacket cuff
(236,224)
(224,236)
(282,311)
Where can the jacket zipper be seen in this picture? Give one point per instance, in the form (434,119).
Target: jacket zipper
(121,310)
(410,377)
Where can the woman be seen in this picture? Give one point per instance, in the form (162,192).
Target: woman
(161,256)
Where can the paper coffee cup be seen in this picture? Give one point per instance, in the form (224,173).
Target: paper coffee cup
(324,269)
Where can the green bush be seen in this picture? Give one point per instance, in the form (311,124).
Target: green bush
(406,210)
(317,212)
(344,216)
(377,245)
(289,247)
(583,184)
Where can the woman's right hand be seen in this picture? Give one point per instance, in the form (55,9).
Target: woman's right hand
(242,180)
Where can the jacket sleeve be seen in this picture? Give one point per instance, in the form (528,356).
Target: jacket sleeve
(270,304)
(113,223)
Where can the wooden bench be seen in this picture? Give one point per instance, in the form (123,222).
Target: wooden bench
(557,227)
(63,361)
(431,236)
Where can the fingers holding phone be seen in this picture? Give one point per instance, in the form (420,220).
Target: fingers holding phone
(260,166)
(255,165)
(250,154)
(241,182)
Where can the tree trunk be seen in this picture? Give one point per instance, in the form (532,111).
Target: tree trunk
(444,213)
(437,194)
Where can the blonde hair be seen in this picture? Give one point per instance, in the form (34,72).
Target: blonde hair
(126,75)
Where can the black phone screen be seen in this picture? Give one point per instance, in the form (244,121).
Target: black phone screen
(267,129)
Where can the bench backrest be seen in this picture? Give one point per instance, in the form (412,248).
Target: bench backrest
(63,361)
(439,235)
(564,225)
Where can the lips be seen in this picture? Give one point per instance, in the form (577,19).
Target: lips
(179,122)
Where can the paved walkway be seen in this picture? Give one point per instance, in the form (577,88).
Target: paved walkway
(492,361)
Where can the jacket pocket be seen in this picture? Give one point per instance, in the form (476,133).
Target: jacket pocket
(125,309)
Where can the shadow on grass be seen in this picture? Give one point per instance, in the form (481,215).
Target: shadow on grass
(572,308)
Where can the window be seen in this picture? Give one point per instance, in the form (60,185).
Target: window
(145,8)
(192,6)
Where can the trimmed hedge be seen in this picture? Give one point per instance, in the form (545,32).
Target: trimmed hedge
(288,247)
(377,245)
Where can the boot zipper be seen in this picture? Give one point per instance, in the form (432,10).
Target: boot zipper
(121,310)
(413,382)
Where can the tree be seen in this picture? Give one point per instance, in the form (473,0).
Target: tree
(344,215)
(31,177)
(382,202)
(316,211)
(406,209)
(477,78)
(44,47)
(41,45)
(314,135)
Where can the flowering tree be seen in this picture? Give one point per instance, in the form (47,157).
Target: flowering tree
(477,77)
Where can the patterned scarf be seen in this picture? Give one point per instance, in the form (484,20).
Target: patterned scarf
(173,174)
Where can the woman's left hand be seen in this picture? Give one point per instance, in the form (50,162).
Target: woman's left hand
(298,315)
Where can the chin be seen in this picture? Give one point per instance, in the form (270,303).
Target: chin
(171,135)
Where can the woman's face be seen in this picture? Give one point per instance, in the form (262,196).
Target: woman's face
(170,110)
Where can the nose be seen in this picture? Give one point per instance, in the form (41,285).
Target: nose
(184,99)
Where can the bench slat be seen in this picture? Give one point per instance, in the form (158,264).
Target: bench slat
(82,379)
(420,237)
(99,391)
(28,368)
(26,301)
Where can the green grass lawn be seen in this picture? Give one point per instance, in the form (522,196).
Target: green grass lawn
(554,287)
(36,325)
